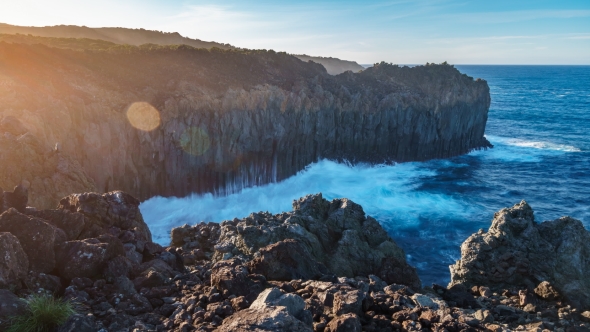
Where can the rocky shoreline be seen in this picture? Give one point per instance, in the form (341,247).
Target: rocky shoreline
(325,266)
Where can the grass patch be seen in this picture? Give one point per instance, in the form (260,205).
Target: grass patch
(44,313)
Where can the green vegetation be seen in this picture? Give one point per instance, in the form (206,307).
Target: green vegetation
(44,313)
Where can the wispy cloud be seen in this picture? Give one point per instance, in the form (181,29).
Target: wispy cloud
(516,16)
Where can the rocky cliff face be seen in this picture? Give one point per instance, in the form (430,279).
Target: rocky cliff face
(223,120)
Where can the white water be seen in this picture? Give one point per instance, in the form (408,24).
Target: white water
(386,192)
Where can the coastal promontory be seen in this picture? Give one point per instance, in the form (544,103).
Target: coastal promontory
(173,120)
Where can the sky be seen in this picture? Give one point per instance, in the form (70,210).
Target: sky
(396,31)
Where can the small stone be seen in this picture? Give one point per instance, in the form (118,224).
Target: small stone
(546,291)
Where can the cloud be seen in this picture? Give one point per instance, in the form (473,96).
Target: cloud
(516,16)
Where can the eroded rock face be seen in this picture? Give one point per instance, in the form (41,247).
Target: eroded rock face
(113,209)
(286,260)
(228,120)
(37,238)
(518,251)
(337,234)
(86,258)
(14,263)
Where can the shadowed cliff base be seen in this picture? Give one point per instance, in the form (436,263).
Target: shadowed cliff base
(228,119)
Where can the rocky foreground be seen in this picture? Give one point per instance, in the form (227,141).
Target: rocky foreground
(325,266)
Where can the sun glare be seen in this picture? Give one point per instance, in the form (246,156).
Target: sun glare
(143,116)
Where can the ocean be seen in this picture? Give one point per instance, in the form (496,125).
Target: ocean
(539,124)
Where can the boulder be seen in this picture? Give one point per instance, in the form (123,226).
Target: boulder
(86,258)
(264,319)
(113,209)
(345,323)
(72,223)
(231,277)
(337,234)
(517,251)
(79,323)
(348,301)
(286,260)
(274,297)
(10,305)
(18,198)
(37,238)
(546,291)
(14,263)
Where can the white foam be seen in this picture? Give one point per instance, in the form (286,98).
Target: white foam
(520,150)
(386,192)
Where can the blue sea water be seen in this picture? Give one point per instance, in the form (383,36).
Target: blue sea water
(539,123)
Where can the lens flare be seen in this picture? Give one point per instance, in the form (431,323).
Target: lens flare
(195,141)
(143,116)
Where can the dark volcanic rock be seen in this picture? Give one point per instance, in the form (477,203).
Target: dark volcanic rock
(17,199)
(86,258)
(72,223)
(229,119)
(37,238)
(337,234)
(14,263)
(113,209)
(10,306)
(345,323)
(286,260)
(517,251)
(79,323)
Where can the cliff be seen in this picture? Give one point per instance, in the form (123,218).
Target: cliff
(125,36)
(224,119)
(333,66)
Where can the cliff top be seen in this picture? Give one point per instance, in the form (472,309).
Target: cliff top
(112,36)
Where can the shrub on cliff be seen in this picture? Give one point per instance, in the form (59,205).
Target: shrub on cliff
(44,313)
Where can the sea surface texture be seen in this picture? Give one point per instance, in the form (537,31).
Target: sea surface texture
(539,123)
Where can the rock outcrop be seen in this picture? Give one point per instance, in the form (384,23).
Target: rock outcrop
(517,251)
(220,120)
(318,238)
(123,282)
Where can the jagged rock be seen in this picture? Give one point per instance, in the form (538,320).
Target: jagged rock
(72,223)
(79,323)
(286,260)
(349,301)
(86,258)
(345,323)
(37,238)
(546,291)
(45,282)
(264,319)
(517,251)
(14,263)
(153,274)
(231,277)
(113,209)
(18,198)
(274,297)
(396,271)
(10,305)
(336,234)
